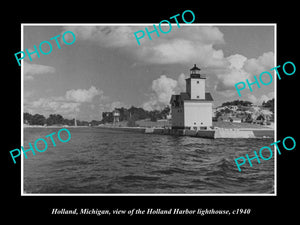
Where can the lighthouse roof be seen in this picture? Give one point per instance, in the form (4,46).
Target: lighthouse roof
(195,73)
(183,96)
(195,68)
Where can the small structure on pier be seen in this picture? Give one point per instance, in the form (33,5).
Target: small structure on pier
(116,116)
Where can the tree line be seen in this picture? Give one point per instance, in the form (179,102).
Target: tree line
(133,114)
(269,104)
(237,102)
(55,119)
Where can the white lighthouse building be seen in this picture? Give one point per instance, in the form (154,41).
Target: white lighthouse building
(192,109)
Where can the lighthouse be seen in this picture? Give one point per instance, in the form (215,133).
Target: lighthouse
(192,109)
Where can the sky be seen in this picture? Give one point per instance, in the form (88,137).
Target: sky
(105,68)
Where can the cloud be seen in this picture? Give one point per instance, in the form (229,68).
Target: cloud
(82,95)
(107,36)
(162,90)
(116,104)
(182,51)
(259,100)
(263,63)
(185,45)
(239,68)
(68,104)
(54,105)
(236,61)
(31,70)
(86,104)
(233,73)
(181,83)
(181,45)
(33,56)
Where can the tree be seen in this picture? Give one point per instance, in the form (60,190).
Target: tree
(139,113)
(131,122)
(38,119)
(237,102)
(269,104)
(165,112)
(227,111)
(218,114)
(124,114)
(153,118)
(69,122)
(27,118)
(82,123)
(107,117)
(55,119)
(134,113)
(95,122)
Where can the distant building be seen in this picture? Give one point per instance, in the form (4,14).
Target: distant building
(233,107)
(234,119)
(192,109)
(223,118)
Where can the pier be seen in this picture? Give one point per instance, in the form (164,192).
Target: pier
(212,134)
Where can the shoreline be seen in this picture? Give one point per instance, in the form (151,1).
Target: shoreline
(211,134)
(40,126)
(216,132)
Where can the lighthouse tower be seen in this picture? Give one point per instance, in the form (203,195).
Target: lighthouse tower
(195,84)
(192,109)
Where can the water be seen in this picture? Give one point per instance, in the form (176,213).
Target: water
(108,161)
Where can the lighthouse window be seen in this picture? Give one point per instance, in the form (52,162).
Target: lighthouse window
(197,96)
(197,82)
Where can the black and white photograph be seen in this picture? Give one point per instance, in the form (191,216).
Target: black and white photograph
(162,117)
(138,112)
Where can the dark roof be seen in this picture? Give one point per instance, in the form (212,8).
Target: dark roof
(185,96)
(195,68)
(208,97)
(195,76)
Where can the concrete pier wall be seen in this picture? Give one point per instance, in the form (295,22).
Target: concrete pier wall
(213,134)
(233,133)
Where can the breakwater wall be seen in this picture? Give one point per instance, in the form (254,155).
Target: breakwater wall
(213,134)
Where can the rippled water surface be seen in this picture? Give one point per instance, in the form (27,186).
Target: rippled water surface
(109,161)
